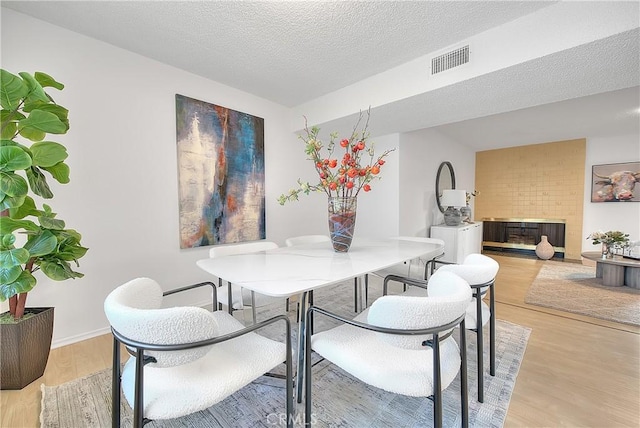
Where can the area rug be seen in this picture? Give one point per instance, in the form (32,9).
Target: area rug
(573,288)
(339,400)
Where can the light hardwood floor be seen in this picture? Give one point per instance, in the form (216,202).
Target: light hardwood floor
(577,371)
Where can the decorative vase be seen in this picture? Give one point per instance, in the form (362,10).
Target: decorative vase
(607,252)
(466,213)
(544,250)
(342,222)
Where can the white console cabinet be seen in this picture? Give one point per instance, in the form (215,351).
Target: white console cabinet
(459,241)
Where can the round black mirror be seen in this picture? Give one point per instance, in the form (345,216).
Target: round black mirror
(445,179)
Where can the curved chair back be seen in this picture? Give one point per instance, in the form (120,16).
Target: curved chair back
(448,298)
(306,239)
(134,310)
(476,269)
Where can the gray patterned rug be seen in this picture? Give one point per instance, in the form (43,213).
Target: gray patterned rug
(573,288)
(339,399)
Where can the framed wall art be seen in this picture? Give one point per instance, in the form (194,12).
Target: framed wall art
(220,174)
(616,182)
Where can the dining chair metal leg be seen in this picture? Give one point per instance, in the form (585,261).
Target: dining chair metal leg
(302,325)
(289,376)
(138,400)
(480,343)
(115,385)
(437,383)
(307,380)
(464,394)
(492,331)
(310,303)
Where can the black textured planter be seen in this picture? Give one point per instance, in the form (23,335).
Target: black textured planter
(25,348)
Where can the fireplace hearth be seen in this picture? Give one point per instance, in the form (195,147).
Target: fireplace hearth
(522,234)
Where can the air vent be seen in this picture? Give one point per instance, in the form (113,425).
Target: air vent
(450,60)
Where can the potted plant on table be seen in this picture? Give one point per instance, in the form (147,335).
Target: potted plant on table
(611,240)
(31,239)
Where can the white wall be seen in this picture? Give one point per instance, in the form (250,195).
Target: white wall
(421,155)
(379,209)
(123,194)
(623,216)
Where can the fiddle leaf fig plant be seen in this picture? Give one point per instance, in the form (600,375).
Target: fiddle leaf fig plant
(32,238)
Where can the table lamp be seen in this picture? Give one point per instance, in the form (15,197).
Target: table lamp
(453,199)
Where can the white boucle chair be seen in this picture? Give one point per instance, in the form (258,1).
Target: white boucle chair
(234,296)
(184,359)
(401,344)
(480,272)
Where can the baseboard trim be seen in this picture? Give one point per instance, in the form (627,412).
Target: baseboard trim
(79,337)
(105,330)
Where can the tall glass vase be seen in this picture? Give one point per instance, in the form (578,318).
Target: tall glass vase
(342,222)
(607,251)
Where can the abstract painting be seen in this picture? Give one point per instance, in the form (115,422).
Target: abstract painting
(220,174)
(615,182)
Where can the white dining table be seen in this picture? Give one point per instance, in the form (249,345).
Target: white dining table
(288,271)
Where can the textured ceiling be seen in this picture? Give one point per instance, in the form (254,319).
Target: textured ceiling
(292,52)
(286,51)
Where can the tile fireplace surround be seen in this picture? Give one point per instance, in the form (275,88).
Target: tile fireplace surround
(539,181)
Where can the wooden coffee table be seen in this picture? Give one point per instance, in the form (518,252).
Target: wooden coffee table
(617,271)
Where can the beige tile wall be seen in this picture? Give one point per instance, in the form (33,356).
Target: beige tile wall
(535,181)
